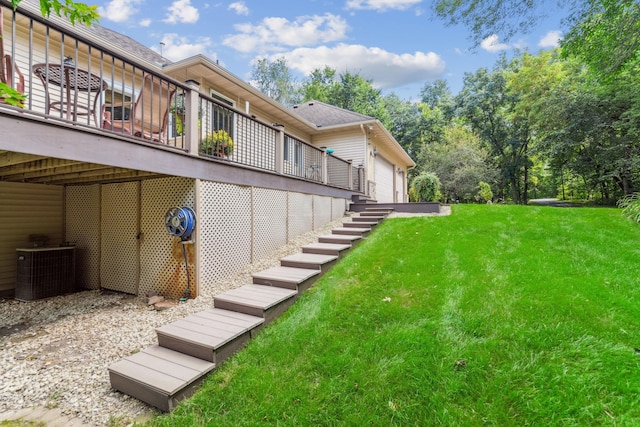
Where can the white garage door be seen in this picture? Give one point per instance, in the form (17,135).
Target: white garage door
(384,181)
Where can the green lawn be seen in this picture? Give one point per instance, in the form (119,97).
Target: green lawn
(495,315)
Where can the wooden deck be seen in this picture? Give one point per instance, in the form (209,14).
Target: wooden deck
(188,349)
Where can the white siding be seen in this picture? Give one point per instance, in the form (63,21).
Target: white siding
(27,209)
(384,180)
(346,145)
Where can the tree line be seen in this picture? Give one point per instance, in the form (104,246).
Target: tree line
(541,125)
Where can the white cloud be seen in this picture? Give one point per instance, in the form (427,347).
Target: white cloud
(551,39)
(119,10)
(278,34)
(182,12)
(239,7)
(492,44)
(145,22)
(381,5)
(177,47)
(385,69)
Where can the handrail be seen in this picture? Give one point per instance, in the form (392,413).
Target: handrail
(69,78)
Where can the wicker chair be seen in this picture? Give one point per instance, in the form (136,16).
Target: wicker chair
(9,72)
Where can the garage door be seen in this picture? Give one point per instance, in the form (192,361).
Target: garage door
(384,180)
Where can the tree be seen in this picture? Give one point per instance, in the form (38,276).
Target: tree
(349,91)
(274,79)
(459,161)
(74,11)
(425,187)
(404,123)
(605,34)
(487,105)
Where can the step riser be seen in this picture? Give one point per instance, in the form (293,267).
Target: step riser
(337,240)
(307,265)
(382,214)
(348,232)
(359,224)
(216,356)
(325,251)
(268,315)
(367,219)
(152,397)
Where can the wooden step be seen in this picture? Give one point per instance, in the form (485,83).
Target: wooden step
(352,231)
(299,279)
(337,249)
(267,302)
(344,239)
(159,376)
(311,261)
(360,224)
(211,335)
(376,219)
(379,209)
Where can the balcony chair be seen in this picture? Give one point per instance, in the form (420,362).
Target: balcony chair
(9,72)
(147,116)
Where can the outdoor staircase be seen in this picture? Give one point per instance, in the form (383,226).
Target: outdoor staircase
(190,348)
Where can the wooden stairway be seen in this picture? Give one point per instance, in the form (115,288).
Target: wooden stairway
(190,348)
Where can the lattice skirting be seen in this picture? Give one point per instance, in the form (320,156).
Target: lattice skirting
(122,243)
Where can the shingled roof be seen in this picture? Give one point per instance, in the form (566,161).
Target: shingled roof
(132,46)
(322,115)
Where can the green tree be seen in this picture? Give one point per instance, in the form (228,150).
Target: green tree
(460,162)
(487,105)
(74,11)
(404,123)
(347,90)
(425,187)
(275,79)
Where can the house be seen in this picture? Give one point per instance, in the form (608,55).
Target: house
(111,136)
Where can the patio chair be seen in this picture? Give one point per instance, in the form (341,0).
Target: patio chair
(9,72)
(147,116)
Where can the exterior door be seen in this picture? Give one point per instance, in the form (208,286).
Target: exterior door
(119,230)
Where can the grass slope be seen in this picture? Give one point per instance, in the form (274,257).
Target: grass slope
(496,315)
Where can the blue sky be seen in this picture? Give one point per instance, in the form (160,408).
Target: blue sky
(395,43)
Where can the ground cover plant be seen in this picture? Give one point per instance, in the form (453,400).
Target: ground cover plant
(495,315)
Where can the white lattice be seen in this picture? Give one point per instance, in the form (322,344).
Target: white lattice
(269,221)
(119,243)
(82,226)
(224,236)
(300,209)
(162,266)
(321,211)
(338,208)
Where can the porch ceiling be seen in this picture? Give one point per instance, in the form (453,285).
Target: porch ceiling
(19,167)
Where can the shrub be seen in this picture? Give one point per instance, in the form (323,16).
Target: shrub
(425,187)
(631,206)
(485,192)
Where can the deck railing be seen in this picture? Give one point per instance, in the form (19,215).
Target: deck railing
(69,79)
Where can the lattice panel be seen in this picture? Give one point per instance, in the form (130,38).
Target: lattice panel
(269,221)
(321,211)
(224,222)
(300,209)
(338,208)
(82,225)
(119,229)
(162,266)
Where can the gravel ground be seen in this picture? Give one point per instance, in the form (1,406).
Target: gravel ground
(55,352)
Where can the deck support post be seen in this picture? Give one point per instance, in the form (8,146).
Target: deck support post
(279,166)
(191,130)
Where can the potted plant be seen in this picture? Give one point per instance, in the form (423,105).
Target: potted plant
(218,143)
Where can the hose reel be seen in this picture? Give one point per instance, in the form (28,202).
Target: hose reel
(181,222)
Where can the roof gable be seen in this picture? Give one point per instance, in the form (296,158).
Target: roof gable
(321,114)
